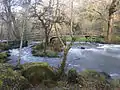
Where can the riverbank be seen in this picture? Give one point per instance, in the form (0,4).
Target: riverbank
(39,76)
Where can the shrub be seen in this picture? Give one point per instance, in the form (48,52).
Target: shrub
(115,83)
(115,39)
(72,76)
(91,78)
(39,47)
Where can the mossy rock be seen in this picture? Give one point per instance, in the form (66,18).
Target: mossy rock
(49,53)
(28,65)
(37,72)
(92,74)
(91,78)
(56,45)
(10,79)
(38,50)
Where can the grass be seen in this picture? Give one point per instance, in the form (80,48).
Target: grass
(97,39)
(83,39)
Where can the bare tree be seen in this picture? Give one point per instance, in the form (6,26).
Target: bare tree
(112,9)
(45,17)
(9,18)
(25,5)
(105,9)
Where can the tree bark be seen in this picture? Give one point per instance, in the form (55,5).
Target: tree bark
(112,10)
(71,22)
(46,40)
(110,26)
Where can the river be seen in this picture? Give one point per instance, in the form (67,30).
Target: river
(100,57)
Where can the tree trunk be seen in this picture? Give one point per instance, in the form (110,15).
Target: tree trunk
(1,33)
(66,49)
(46,40)
(15,28)
(21,43)
(109,32)
(71,22)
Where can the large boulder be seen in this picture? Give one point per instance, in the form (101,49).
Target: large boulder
(10,79)
(56,44)
(37,72)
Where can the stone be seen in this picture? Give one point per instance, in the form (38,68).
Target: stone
(107,76)
(37,72)
(82,47)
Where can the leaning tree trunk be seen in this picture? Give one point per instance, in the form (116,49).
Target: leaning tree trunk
(66,49)
(63,63)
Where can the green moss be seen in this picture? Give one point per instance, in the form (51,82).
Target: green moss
(1,82)
(10,79)
(37,72)
(52,53)
(91,78)
(92,74)
(2,60)
(3,57)
(3,46)
(27,65)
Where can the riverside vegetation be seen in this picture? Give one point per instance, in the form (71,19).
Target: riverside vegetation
(39,76)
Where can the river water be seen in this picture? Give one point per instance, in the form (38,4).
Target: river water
(100,57)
